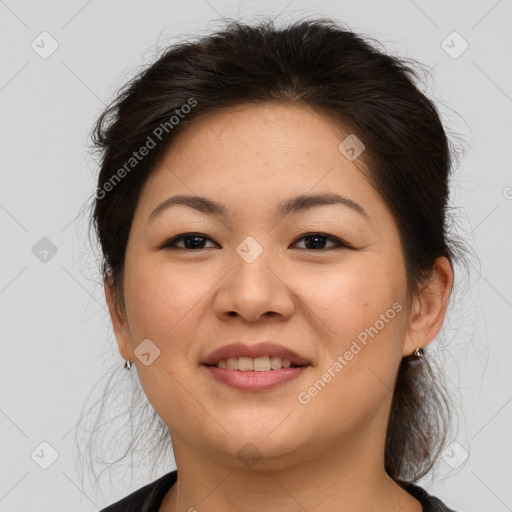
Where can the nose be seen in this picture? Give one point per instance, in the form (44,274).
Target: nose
(252,291)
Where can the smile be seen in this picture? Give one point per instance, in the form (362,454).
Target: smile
(257,364)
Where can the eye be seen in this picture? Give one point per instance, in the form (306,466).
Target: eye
(196,241)
(318,240)
(190,241)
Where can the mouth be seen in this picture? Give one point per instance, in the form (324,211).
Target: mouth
(255,368)
(257,364)
(263,356)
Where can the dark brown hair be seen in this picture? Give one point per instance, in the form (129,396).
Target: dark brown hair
(319,63)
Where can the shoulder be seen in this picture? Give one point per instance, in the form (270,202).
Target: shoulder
(145,499)
(428,502)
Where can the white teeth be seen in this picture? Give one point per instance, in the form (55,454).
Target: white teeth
(262,364)
(276,363)
(232,363)
(258,364)
(245,363)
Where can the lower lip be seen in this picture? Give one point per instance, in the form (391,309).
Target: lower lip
(254,381)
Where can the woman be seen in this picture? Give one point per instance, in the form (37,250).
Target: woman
(271,209)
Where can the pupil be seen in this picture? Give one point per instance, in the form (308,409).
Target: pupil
(194,242)
(319,240)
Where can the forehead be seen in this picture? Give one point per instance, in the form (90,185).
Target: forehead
(255,156)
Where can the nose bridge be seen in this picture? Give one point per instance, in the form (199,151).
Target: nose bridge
(251,270)
(252,288)
(250,250)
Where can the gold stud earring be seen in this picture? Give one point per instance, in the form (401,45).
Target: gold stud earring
(416,355)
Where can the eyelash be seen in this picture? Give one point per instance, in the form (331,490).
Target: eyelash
(340,244)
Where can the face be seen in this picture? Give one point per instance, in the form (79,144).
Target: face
(326,281)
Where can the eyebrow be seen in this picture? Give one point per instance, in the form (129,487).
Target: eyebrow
(294,205)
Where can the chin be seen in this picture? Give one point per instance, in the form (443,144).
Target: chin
(265,445)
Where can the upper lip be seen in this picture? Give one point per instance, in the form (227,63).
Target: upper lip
(254,351)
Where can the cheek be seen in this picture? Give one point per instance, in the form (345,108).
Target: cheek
(348,301)
(162,305)
(159,298)
(361,310)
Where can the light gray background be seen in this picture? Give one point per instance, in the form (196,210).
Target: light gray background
(56,339)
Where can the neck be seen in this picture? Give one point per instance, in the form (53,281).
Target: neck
(342,478)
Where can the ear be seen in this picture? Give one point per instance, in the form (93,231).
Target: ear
(119,323)
(429,307)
